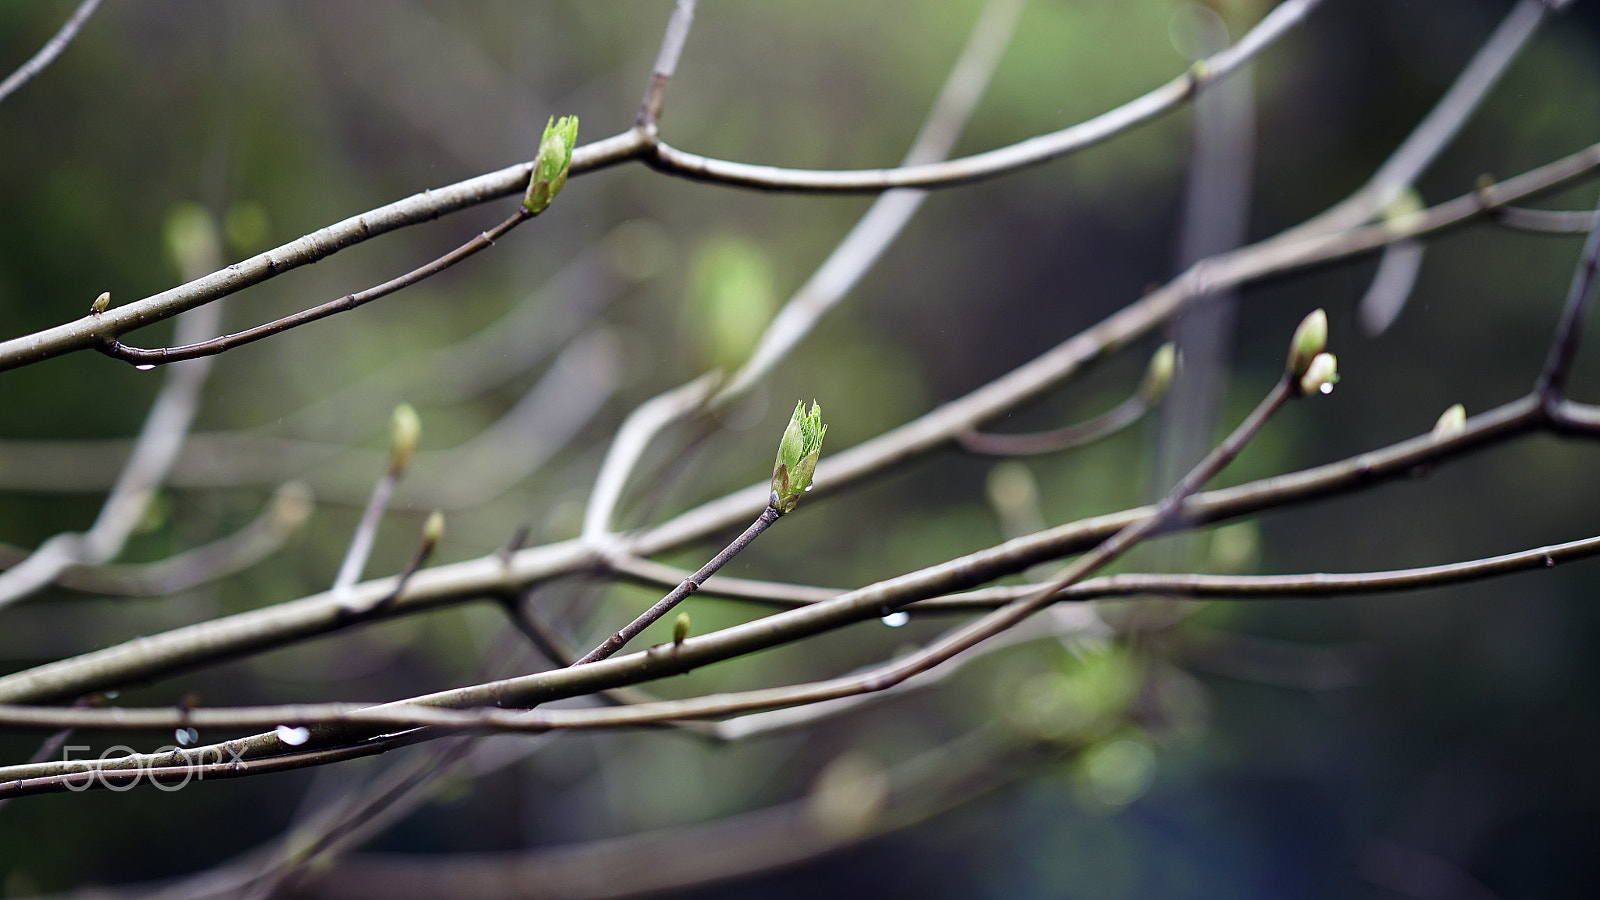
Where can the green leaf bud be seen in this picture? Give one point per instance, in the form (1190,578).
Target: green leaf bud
(101,303)
(680,629)
(1158,376)
(405,429)
(1451,422)
(433,530)
(798,452)
(550,166)
(1310,339)
(1320,375)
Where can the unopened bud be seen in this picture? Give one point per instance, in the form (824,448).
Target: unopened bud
(550,166)
(1451,422)
(1321,375)
(680,629)
(291,506)
(1310,339)
(405,429)
(101,303)
(1158,376)
(797,457)
(432,531)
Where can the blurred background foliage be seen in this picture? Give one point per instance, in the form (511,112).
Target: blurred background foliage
(1302,749)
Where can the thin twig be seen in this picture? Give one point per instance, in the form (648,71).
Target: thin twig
(666,63)
(1439,126)
(1077,434)
(1548,221)
(288,509)
(51,49)
(663,606)
(632,438)
(153,455)
(1552,385)
(112,347)
(365,534)
(968,169)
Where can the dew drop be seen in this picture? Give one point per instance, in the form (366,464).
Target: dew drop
(1327,387)
(293,735)
(186,736)
(145,367)
(809,487)
(896,619)
(112,695)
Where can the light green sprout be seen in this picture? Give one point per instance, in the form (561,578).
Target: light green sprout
(797,457)
(550,166)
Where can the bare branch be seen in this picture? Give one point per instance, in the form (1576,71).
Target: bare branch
(666,63)
(1552,384)
(51,49)
(152,458)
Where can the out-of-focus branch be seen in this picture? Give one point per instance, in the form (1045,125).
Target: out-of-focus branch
(1440,125)
(882,223)
(51,49)
(837,813)
(281,517)
(114,348)
(1552,386)
(666,63)
(1549,221)
(153,455)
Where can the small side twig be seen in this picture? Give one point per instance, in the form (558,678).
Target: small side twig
(405,430)
(666,63)
(663,606)
(1158,378)
(1552,384)
(140,356)
(51,49)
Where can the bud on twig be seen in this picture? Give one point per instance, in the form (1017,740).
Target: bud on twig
(797,457)
(680,629)
(101,303)
(1158,377)
(405,429)
(550,166)
(1451,422)
(432,532)
(1310,339)
(1321,375)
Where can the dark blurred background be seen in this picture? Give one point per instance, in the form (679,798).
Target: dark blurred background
(1434,744)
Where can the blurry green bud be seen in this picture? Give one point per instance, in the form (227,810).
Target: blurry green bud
(1158,377)
(1451,422)
(550,166)
(1403,208)
(193,240)
(101,303)
(433,530)
(291,506)
(1310,339)
(405,429)
(1321,375)
(680,629)
(797,457)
